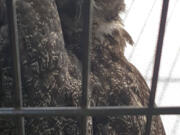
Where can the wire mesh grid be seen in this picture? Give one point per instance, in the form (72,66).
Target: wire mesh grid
(19,112)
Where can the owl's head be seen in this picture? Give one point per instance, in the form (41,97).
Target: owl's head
(108,9)
(106,25)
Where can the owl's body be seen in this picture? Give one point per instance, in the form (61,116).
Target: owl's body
(114,81)
(51,71)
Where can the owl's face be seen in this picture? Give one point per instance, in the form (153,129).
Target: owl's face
(108,9)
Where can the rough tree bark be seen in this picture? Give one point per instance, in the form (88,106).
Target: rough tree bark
(51,67)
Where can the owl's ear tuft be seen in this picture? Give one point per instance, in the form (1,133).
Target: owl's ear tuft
(127,37)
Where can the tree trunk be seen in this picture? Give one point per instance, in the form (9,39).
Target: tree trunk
(51,70)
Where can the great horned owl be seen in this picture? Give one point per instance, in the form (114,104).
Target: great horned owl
(114,81)
(51,72)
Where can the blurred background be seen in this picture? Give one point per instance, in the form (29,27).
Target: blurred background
(141,20)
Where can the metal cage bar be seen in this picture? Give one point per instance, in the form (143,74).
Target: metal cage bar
(13,34)
(92,111)
(157,63)
(86,43)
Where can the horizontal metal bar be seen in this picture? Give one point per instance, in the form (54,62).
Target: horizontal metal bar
(166,110)
(92,111)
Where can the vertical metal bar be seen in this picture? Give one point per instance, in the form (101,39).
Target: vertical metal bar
(86,43)
(157,64)
(13,34)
